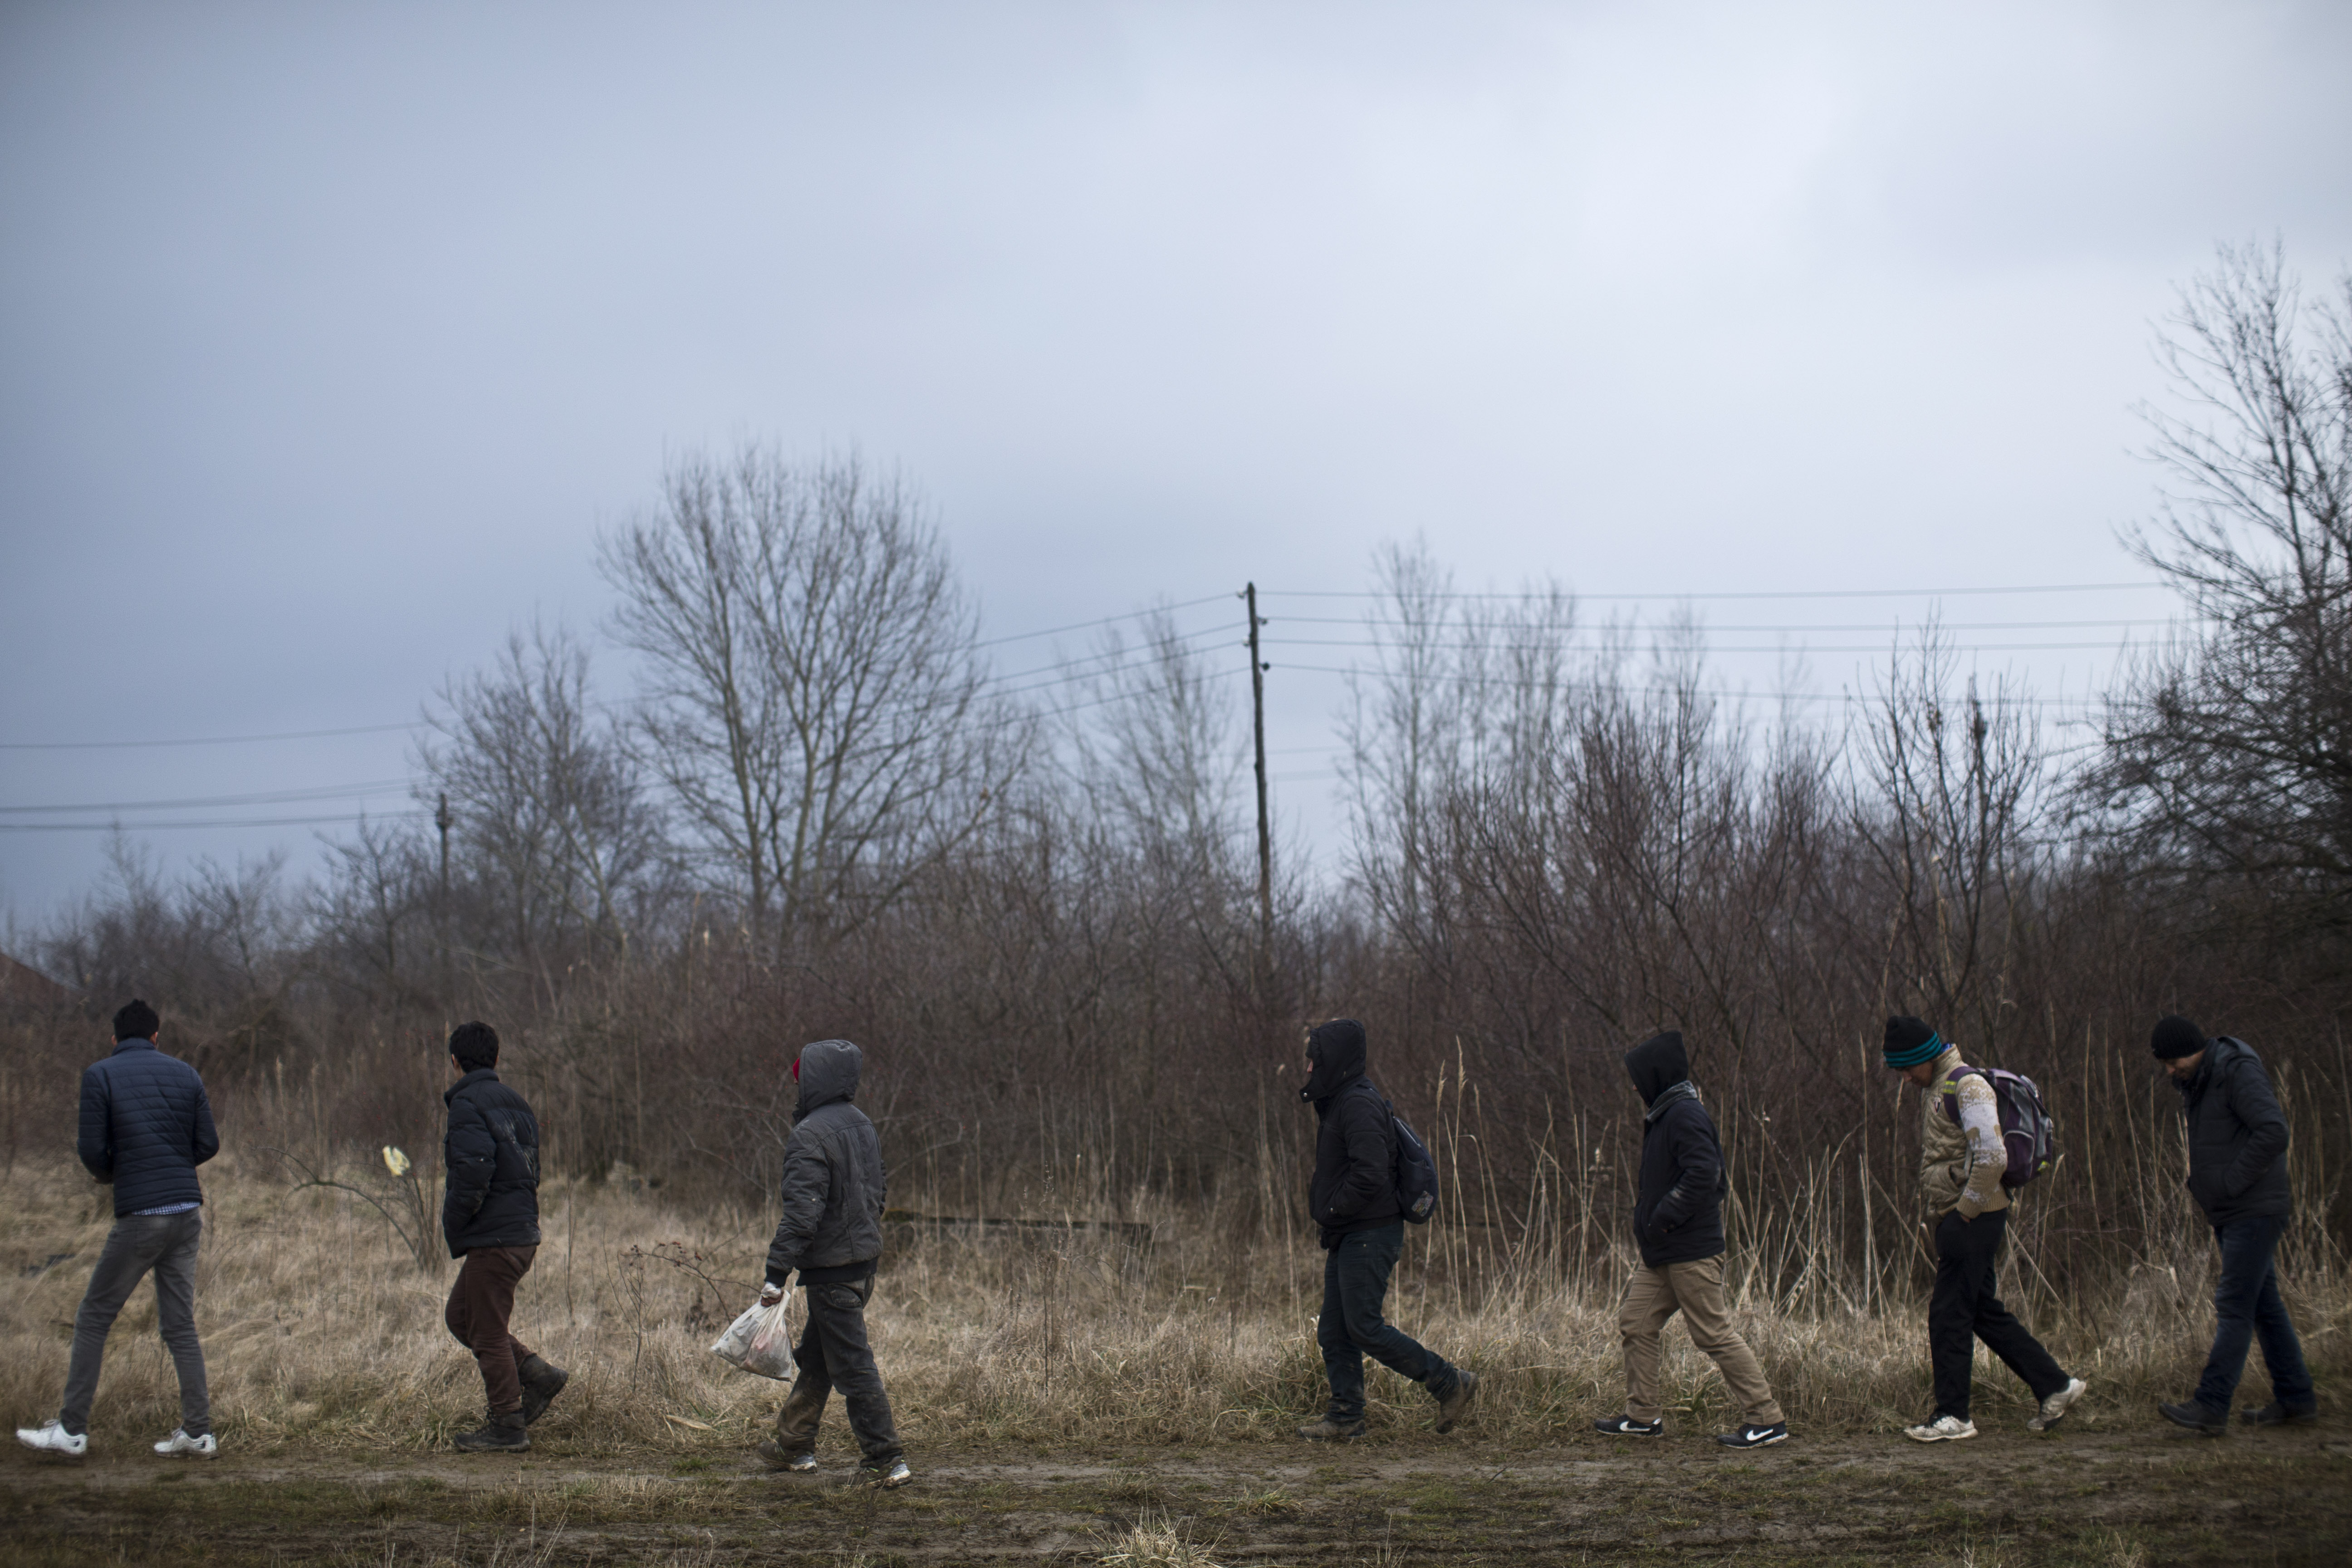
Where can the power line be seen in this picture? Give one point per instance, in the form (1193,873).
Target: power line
(201,740)
(1840,627)
(1745,593)
(1107,620)
(234,822)
(272,798)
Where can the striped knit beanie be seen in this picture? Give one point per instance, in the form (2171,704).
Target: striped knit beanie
(1910,1042)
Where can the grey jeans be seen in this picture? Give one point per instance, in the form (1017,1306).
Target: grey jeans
(166,1245)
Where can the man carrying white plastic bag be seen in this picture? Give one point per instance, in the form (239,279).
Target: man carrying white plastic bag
(832,1232)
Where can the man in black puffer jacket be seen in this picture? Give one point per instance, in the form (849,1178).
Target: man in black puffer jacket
(2237,1172)
(1354,1200)
(490,1217)
(145,1127)
(1678,1225)
(831,1231)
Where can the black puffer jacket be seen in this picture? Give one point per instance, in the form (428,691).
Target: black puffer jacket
(1355,1146)
(492,1150)
(145,1127)
(2237,1136)
(1679,1206)
(834,1182)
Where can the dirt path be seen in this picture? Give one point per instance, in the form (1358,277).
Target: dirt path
(2116,1499)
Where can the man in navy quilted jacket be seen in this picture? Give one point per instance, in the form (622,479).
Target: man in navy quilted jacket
(145,1127)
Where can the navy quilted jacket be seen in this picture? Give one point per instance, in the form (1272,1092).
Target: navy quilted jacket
(145,1127)
(492,1150)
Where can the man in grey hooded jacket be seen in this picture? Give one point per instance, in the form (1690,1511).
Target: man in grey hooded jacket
(832,1232)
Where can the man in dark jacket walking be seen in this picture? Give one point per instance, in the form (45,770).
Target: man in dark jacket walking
(145,1127)
(1678,1225)
(2237,1172)
(490,1217)
(1353,1199)
(831,1231)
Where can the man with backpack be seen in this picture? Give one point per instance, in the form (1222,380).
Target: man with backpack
(146,1125)
(1678,1225)
(1355,1202)
(1963,1156)
(2237,1172)
(490,1218)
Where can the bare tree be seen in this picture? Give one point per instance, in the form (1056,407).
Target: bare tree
(2230,751)
(550,814)
(815,699)
(1949,786)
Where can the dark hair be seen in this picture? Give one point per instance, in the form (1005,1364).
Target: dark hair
(475,1045)
(136,1021)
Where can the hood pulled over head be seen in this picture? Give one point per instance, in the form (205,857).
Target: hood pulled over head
(1657,1064)
(1337,1050)
(827,1071)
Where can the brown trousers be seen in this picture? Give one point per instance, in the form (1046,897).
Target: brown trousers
(480,1302)
(1696,1290)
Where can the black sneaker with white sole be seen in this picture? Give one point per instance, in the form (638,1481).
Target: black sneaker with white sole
(1754,1436)
(1626,1426)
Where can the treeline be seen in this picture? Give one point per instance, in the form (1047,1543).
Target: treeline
(821,812)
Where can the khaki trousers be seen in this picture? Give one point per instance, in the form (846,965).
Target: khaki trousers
(1696,1290)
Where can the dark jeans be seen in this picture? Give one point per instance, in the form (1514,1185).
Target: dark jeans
(480,1302)
(2247,1302)
(833,1353)
(1964,1310)
(166,1245)
(1355,1288)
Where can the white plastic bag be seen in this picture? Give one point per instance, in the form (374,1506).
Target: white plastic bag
(759,1342)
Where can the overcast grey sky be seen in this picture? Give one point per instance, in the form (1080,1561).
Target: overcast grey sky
(330,334)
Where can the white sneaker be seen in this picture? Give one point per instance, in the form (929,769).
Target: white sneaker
(205,1447)
(52,1438)
(1942,1430)
(2054,1409)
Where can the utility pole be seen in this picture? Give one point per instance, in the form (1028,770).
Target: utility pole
(444,821)
(1264,829)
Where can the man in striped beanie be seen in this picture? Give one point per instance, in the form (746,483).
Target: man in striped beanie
(1961,1158)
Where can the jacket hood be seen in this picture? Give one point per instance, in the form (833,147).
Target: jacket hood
(1657,1064)
(1337,1050)
(829,1071)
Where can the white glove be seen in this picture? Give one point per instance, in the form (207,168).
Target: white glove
(770,1294)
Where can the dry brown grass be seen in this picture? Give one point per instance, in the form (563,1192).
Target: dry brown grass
(320,1329)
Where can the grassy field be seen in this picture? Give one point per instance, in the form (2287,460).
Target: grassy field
(1064,1394)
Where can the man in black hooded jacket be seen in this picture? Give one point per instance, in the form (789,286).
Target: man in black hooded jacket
(1678,1224)
(831,1231)
(1354,1200)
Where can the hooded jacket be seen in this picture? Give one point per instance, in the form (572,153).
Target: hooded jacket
(1355,1146)
(2237,1136)
(492,1154)
(833,1181)
(1678,1204)
(145,1127)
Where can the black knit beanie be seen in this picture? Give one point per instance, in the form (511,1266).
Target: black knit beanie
(1909,1040)
(136,1021)
(2174,1037)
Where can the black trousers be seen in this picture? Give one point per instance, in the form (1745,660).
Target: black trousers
(1964,1310)
(832,1355)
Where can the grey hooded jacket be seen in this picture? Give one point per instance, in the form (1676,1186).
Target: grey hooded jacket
(834,1180)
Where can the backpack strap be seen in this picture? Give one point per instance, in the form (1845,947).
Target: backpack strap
(1949,1089)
